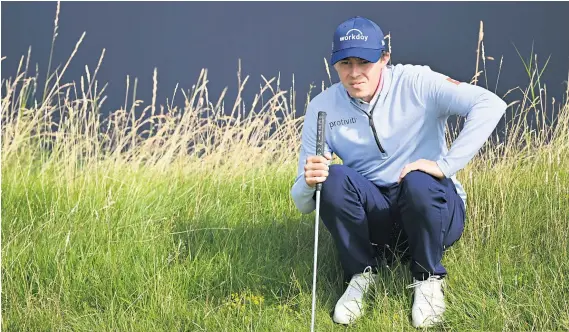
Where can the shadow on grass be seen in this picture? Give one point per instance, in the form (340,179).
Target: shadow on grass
(268,261)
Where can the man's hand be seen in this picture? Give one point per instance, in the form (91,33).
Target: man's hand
(316,169)
(427,166)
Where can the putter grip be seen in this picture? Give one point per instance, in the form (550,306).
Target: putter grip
(320,139)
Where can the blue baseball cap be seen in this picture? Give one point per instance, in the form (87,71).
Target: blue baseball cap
(357,37)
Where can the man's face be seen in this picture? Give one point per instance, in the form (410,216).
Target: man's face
(360,77)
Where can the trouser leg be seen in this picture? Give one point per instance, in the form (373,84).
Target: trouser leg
(348,202)
(432,217)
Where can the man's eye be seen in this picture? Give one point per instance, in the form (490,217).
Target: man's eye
(364,62)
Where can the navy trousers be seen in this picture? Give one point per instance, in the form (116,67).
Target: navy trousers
(421,216)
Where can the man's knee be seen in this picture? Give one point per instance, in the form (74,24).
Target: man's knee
(340,202)
(335,188)
(337,175)
(415,190)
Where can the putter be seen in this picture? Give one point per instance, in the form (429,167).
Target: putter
(320,140)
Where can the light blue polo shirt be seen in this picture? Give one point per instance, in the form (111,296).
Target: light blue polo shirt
(409,117)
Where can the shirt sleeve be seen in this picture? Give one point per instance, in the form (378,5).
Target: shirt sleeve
(302,193)
(481,108)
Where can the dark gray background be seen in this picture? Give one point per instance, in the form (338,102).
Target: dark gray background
(181,38)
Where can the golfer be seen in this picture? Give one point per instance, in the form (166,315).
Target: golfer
(396,187)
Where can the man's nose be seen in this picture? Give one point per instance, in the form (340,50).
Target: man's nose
(354,70)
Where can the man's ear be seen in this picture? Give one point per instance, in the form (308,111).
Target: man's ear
(385,56)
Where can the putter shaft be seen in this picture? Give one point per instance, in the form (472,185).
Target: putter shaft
(316,222)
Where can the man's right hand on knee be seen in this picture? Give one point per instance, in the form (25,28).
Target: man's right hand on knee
(316,169)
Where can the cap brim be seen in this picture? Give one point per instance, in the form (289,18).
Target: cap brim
(369,54)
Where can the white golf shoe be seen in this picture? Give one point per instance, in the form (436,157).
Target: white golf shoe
(350,306)
(428,302)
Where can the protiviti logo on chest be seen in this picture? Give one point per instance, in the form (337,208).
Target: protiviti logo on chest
(341,122)
(353,34)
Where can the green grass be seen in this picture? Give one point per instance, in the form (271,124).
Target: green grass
(180,219)
(135,251)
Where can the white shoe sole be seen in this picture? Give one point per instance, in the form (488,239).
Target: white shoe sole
(346,320)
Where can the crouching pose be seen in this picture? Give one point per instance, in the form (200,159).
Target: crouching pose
(396,187)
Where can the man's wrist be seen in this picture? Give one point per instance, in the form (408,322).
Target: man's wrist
(442,167)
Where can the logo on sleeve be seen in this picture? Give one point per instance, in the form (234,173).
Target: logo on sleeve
(453,81)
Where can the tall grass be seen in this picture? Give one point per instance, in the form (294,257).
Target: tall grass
(161,217)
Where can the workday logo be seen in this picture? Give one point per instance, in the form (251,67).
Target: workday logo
(353,34)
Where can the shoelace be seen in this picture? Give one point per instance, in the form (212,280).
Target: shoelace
(356,282)
(422,282)
(425,290)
